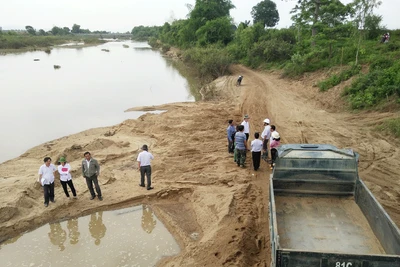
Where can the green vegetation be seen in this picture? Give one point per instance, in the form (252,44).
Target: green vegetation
(325,34)
(391,126)
(266,13)
(32,38)
(337,79)
(21,41)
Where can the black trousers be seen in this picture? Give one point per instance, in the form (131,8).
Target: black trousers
(48,191)
(71,186)
(247,136)
(256,159)
(274,155)
(93,180)
(230,147)
(145,170)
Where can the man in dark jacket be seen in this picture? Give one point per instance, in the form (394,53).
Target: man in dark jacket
(91,171)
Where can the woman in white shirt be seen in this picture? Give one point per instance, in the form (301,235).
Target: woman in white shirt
(64,169)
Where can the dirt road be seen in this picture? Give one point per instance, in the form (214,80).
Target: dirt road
(216,211)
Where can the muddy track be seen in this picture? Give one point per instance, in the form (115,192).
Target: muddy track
(299,118)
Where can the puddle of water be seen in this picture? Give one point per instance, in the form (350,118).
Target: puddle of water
(127,237)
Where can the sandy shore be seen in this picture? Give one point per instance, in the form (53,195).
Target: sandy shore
(216,211)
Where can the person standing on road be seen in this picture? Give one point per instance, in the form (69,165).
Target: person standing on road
(144,158)
(230,132)
(241,146)
(256,147)
(64,169)
(234,145)
(46,178)
(91,172)
(265,135)
(246,126)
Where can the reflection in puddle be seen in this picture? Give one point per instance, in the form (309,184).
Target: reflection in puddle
(127,237)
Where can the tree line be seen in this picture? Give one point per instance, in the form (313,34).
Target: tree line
(324,34)
(76,29)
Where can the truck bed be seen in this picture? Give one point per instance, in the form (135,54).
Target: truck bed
(327,224)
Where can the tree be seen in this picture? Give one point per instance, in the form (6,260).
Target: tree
(76,28)
(66,30)
(320,14)
(214,31)
(206,10)
(266,13)
(30,30)
(362,10)
(42,32)
(373,26)
(56,31)
(203,12)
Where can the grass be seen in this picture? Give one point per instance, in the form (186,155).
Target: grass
(10,42)
(391,126)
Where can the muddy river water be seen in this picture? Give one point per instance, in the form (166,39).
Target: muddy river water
(127,237)
(92,88)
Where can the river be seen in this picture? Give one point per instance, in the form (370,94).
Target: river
(92,88)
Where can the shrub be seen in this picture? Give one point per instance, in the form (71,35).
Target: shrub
(210,61)
(372,88)
(337,79)
(391,126)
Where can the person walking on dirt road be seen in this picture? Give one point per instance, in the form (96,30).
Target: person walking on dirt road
(239,80)
(46,178)
(230,132)
(91,172)
(265,135)
(144,158)
(241,146)
(246,126)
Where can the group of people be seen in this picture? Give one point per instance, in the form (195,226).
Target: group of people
(90,171)
(385,38)
(238,138)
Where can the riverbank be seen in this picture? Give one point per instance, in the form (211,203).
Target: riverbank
(217,212)
(25,43)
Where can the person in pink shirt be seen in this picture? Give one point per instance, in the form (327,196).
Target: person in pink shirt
(275,143)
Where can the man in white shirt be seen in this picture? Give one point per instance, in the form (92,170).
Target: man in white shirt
(266,134)
(46,178)
(144,158)
(256,147)
(246,125)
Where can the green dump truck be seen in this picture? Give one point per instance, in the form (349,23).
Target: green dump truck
(323,215)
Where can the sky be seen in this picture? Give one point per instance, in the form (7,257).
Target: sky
(123,15)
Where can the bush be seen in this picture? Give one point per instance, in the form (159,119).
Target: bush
(154,43)
(165,48)
(393,46)
(372,88)
(391,126)
(337,79)
(210,61)
(381,63)
(18,41)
